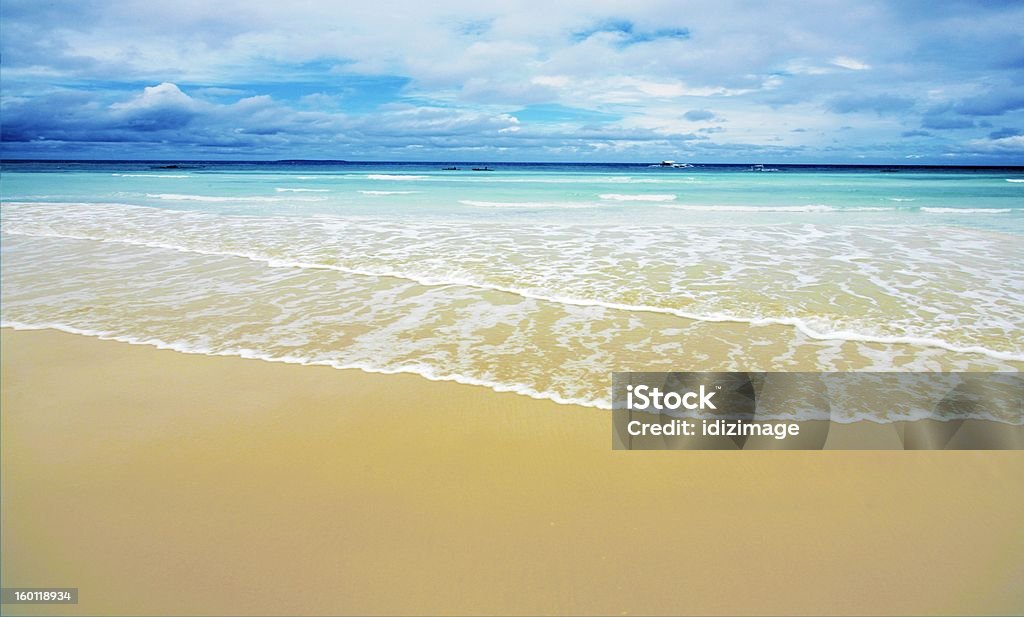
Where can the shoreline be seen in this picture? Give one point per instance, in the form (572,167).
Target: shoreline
(169,483)
(458,379)
(796,324)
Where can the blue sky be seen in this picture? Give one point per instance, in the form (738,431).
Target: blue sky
(802,82)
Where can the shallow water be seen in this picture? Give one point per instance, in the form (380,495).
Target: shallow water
(535,279)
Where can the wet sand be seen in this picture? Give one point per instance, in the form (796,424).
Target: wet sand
(163,483)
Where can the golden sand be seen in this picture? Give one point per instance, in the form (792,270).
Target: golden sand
(163,483)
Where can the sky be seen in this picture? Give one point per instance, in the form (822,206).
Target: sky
(902,82)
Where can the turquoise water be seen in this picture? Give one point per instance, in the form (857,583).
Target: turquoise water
(607,193)
(537,279)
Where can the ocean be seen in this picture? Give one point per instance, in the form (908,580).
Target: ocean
(539,279)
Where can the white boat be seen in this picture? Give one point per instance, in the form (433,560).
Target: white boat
(673,165)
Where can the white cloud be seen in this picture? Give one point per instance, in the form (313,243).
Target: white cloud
(1004,145)
(162,95)
(464,67)
(850,63)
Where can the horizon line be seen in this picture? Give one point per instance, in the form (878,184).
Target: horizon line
(485,162)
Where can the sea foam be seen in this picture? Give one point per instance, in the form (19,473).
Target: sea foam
(224,199)
(967,210)
(807,327)
(528,204)
(637,197)
(406,287)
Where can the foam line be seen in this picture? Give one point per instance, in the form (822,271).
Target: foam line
(252,354)
(426,373)
(210,198)
(966,210)
(794,322)
(528,204)
(636,197)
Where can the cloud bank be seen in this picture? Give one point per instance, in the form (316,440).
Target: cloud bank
(883,82)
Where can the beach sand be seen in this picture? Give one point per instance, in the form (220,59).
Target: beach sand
(163,483)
